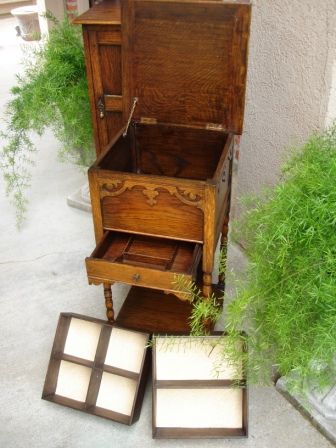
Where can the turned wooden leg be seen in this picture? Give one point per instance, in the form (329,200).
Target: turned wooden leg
(108,302)
(207,284)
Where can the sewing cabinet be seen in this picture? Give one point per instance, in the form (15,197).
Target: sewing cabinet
(167,90)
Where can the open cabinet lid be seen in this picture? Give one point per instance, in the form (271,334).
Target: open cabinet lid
(186,62)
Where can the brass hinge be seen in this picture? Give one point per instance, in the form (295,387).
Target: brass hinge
(147,120)
(214,127)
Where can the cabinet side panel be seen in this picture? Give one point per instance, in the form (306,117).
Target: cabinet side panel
(96,209)
(90,80)
(209,239)
(222,195)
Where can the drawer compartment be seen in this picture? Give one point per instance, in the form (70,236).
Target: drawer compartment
(141,260)
(161,180)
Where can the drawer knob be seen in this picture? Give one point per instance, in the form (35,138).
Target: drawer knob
(136,277)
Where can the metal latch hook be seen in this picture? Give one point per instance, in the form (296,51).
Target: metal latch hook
(135,100)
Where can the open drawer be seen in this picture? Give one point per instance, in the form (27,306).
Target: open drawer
(142,261)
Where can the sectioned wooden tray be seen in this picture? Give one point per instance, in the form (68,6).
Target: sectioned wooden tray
(197,392)
(143,261)
(98,368)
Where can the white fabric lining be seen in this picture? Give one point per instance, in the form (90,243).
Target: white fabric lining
(126,350)
(82,339)
(116,393)
(192,359)
(73,381)
(199,408)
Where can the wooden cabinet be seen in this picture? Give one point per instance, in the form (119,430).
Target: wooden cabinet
(162,184)
(165,181)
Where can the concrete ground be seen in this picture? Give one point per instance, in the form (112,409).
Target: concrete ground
(42,273)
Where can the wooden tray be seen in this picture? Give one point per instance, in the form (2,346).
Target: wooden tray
(142,261)
(191,399)
(97,368)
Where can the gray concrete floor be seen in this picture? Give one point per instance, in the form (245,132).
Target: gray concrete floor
(42,274)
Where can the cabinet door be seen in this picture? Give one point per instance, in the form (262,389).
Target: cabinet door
(103,61)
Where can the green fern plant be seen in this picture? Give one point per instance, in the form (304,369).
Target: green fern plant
(287,299)
(205,309)
(51,92)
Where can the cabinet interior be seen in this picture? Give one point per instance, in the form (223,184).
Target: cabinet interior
(164,150)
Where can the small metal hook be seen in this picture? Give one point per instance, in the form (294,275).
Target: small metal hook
(135,100)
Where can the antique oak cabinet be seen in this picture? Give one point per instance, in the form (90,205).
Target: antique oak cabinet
(172,76)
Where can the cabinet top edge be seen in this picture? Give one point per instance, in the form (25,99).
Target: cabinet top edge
(105,13)
(109,11)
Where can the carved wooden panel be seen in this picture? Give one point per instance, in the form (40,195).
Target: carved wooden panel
(151,192)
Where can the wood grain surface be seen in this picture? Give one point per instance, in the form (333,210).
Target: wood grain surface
(186,62)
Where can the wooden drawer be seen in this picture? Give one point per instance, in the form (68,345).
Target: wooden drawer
(141,260)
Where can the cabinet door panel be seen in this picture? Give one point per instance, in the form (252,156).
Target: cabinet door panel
(109,59)
(103,57)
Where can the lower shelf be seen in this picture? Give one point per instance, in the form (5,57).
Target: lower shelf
(154,311)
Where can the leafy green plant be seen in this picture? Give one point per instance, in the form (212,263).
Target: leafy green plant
(287,301)
(51,92)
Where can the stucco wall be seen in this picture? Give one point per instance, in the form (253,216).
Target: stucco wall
(290,92)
